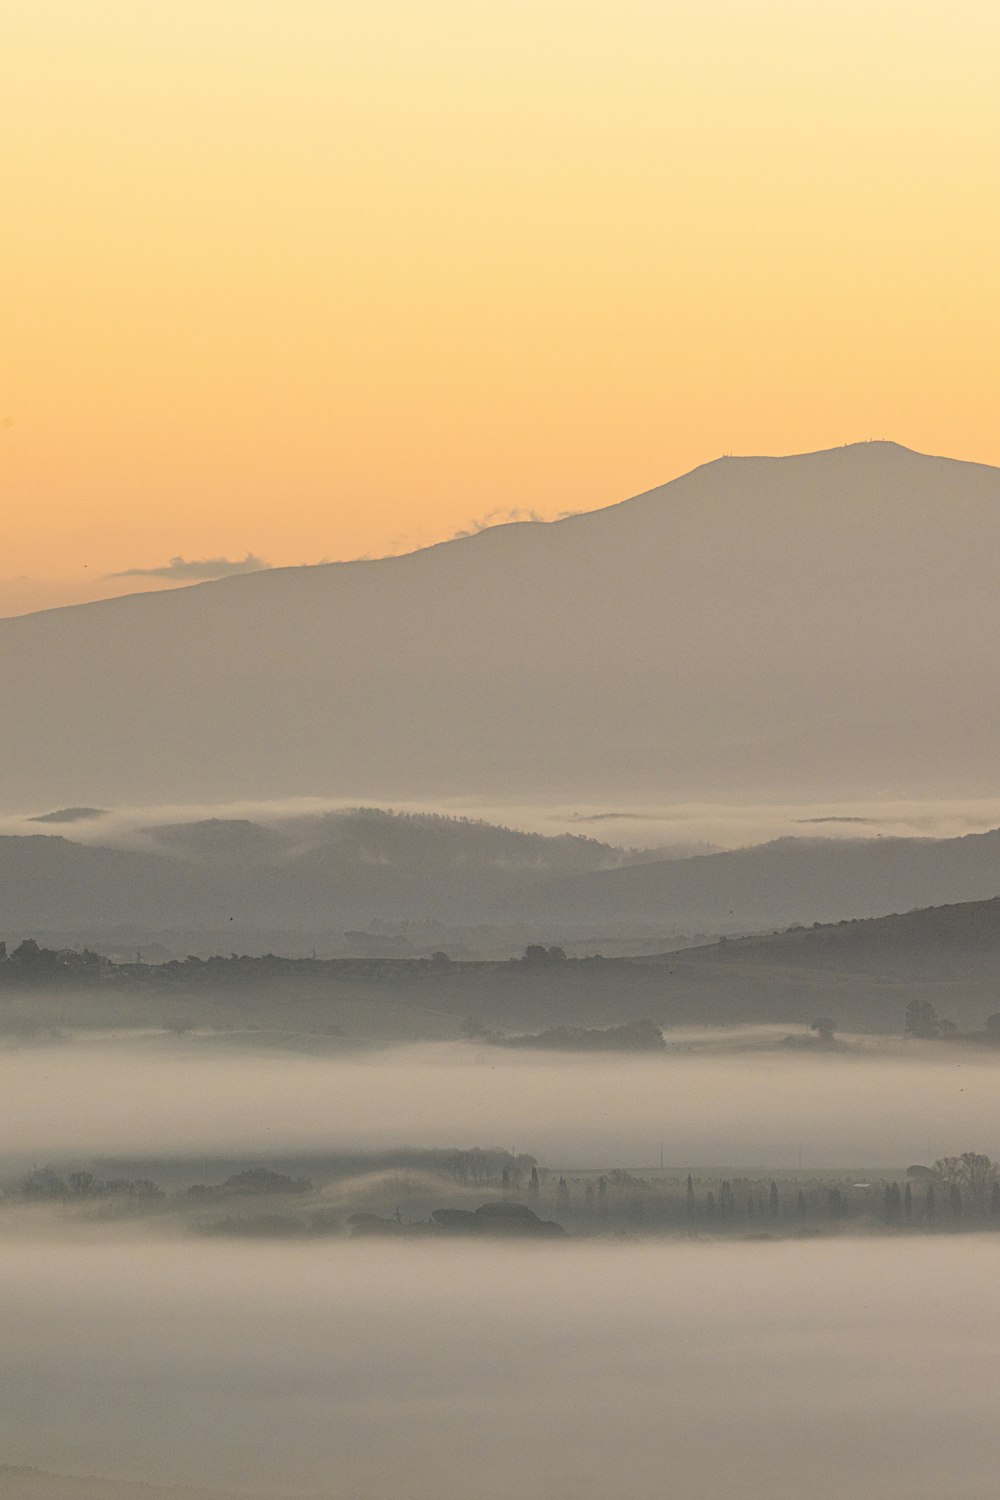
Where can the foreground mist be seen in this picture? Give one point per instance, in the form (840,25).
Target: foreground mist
(896,1103)
(134,1347)
(430,1371)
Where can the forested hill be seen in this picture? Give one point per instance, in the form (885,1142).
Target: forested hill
(326,874)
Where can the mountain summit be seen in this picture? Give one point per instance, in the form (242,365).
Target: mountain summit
(819,625)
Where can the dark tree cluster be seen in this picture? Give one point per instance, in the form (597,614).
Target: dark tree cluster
(30,963)
(253,1180)
(44,1183)
(537,953)
(922,1020)
(481,1167)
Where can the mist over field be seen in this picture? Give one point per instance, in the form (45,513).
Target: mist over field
(138,1346)
(894,1103)
(559,1372)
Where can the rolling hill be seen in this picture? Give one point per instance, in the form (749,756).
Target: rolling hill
(418,883)
(862,973)
(935,943)
(776,884)
(240,883)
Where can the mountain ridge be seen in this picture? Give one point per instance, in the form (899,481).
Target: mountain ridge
(796,628)
(260,577)
(785,880)
(349,870)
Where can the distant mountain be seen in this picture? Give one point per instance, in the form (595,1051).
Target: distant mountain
(384,882)
(69,815)
(306,874)
(775,884)
(814,626)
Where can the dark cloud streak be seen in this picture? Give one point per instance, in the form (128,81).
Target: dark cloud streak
(183,569)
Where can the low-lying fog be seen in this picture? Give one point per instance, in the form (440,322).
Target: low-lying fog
(681,826)
(894,1104)
(560,1372)
(432,1368)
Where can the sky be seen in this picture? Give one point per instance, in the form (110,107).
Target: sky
(306,281)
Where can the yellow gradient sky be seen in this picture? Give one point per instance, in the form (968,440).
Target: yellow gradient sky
(323,278)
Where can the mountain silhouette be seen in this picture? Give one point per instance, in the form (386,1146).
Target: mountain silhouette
(786,881)
(784,628)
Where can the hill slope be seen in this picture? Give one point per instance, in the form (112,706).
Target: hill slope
(776,884)
(238,883)
(936,943)
(814,625)
(314,875)
(861,973)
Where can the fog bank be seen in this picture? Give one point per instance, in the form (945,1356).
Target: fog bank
(908,1102)
(438,1372)
(640,824)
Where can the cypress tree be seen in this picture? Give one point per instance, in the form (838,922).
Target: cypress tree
(689,1201)
(774,1199)
(908,1205)
(930,1207)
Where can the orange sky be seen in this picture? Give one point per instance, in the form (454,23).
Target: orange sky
(332,277)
